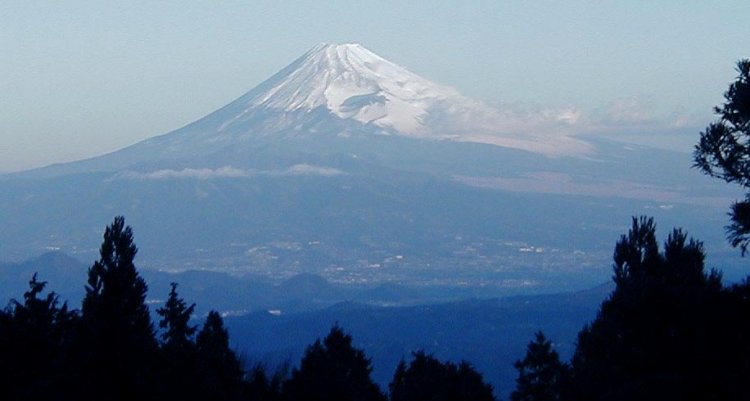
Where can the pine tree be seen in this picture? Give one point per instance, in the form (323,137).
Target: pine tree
(114,304)
(667,332)
(333,370)
(724,151)
(428,379)
(118,343)
(260,387)
(219,369)
(175,320)
(34,337)
(541,375)
(178,366)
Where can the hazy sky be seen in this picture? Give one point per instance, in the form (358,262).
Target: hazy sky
(81,78)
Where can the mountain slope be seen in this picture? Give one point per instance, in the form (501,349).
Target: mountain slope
(330,93)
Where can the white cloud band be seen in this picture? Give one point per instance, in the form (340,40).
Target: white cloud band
(229,172)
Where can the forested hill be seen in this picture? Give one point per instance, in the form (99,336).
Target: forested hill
(491,333)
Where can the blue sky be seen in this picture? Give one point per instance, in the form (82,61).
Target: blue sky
(81,78)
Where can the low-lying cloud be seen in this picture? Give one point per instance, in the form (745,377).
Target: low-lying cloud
(230,172)
(565,131)
(308,169)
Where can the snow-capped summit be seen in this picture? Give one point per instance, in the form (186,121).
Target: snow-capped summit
(354,83)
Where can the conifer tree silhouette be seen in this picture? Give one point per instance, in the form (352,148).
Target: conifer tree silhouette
(119,347)
(541,375)
(428,379)
(175,321)
(219,370)
(260,387)
(34,337)
(667,330)
(178,366)
(333,370)
(724,151)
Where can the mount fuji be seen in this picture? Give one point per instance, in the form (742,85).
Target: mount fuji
(332,92)
(347,165)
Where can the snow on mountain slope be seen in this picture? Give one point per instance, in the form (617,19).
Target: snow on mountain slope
(337,91)
(354,83)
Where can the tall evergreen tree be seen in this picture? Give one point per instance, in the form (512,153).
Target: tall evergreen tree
(178,367)
(724,151)
(541,375)
(34,337)
(664,332)
(175,319)
(219,370)
(428,379)
(119,346)
(115,295)
(260,387)
(333,370)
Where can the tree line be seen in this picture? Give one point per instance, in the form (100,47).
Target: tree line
(670,330)
(110,349)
